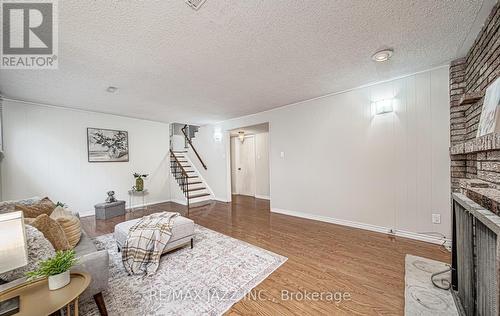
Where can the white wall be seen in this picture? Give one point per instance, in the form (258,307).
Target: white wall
(344,164)
(46,154)
(217,158)
(178,143)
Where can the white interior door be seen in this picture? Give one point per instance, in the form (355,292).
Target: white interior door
(245,166)
(235,150)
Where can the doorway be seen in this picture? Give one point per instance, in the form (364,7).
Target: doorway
(250,161)
(244,166)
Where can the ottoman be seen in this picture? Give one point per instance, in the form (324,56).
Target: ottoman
(182,233)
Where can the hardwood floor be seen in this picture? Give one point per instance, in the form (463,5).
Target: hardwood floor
(322,257)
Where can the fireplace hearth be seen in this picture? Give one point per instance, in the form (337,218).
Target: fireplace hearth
(475,257)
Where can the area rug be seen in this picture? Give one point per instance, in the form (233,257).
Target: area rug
(205,280)
(422,298)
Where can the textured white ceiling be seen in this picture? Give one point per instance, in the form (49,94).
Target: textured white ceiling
(237,57)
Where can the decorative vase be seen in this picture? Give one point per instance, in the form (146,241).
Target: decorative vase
(139,184)
(59,280)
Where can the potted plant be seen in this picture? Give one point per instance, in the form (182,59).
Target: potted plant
(139,182)
(61,204)
(56,269)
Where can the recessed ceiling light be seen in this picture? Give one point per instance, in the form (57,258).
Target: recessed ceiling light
(383,55)
(111,89)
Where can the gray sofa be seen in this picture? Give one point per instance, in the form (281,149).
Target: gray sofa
(96,263)
(93,261)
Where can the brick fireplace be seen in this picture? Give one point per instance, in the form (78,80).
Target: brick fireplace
(475,162)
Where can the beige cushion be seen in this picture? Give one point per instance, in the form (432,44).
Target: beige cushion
(53,231)
(59,211)
(72,229)
(44,206)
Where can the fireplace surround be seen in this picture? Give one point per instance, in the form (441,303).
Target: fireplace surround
(475,161)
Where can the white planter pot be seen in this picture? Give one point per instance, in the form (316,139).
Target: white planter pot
(59,280)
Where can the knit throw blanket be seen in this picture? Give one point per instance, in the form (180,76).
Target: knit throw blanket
(145,243)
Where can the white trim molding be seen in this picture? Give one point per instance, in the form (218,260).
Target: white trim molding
(127,209)
(262,197)
(179,201)
(379,229)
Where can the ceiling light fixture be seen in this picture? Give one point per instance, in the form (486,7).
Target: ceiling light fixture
(382,55)
(241,136)
(383,106)
(195,4)
(217,134)
(111,89)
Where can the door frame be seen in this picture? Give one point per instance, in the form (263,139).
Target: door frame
(254,164)
(227,137)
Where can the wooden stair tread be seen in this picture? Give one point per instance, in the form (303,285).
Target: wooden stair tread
(190,183)
(198,195)
(197,189)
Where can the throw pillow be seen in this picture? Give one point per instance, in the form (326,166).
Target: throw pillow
(44,206)
(39,249)
(59,211)
(52,231)
(10,206)
(72,229)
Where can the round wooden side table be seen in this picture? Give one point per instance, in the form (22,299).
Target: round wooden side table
(35,298)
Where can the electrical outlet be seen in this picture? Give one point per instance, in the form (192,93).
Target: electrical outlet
(282,155)
(436,218)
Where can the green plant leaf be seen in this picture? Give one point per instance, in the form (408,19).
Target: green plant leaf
(61,262)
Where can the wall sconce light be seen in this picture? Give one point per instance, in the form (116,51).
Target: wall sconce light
(383,106)
(241,136)
(217,134)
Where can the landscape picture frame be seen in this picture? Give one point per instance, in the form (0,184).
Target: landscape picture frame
(107,145)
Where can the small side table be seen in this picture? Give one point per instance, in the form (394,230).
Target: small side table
(35,298)
(132,193)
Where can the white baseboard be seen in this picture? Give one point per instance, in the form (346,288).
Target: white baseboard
(375,228)
(127,209)
(263,197)
(86,213)
(146,204)
(179,201)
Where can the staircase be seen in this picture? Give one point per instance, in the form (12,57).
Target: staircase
(190,182)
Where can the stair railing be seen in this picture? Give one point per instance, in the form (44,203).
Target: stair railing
(186,137)
(180,175)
